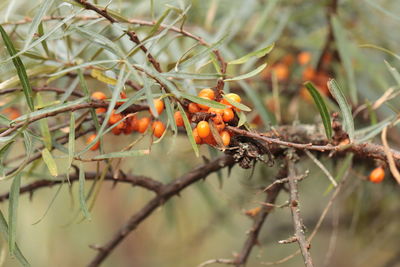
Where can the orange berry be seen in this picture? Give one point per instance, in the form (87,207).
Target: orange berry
(12,113)
(100,110)
(377,175)
(226,137)
(178,118)
(203,128)
(90,139)
(99,95)
(216,111)
(233,97)
(131,124)
(220,126)
(218,119)
(116,130)
(304,58)
(228,114)
(209,140)
(159,105)
(114,118)
(207,93)
(158,128)
(193,108)
(143,123)
(122,95)
(196,136)
(281,71)
(308,74)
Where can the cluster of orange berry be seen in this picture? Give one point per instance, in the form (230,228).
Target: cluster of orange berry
(131,123)
(202,132)
(219,117)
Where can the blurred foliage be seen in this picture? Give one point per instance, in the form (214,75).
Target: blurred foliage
(207,221)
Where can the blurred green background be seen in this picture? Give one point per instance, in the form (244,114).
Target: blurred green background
(207,220)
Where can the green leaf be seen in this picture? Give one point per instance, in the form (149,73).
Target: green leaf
(36,21)
(12,212)
(19,66)
(242,118)
(257,54)
(248,75)
(17,252)
(322,108)
(203,101)
(124,154)
(343,46)
(188,130)
(131,100)
(338,94)
(44,126)
(82,199)
(71,140)
(395,73)
(49,160)
(237,104)
(170,113)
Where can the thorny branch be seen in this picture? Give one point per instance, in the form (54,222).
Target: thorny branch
(299,227)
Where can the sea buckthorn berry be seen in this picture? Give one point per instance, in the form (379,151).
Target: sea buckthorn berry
(143,123)
(11,113)
(308,74)
(202,106)
(226,137)
(90,139)
(281,71)
(116,130)
(178,118)
(209,140)
(99,95)
(207,93)
(377,175)
(193,108)
(219,126)
(159,105)
(131,124)
(196,136)
(304,58)
(233,97)
(216,111)
(122,95)
(114,118)
(217,119)
(158,128)
(203,128)
(228,114)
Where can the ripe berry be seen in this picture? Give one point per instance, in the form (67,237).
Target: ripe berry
(158,128)
(216,111)
(122,95)
(233,97)
(377,175)
(99,96)
(117,130)
(90,139)
(131,125)
(143,123)
(304,58)
(281,71)
(210,140)
(226,137)
(196,136)
(228,114)
(193,108)
(114,118)
(178,118)
(159,105)
(207,93)
(203,128)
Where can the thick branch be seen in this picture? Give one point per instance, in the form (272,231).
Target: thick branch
(168,191)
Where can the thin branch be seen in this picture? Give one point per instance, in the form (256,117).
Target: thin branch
(297,220)
(166,192)
(92,104)
(41,89)
(132,35)
(134,180)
